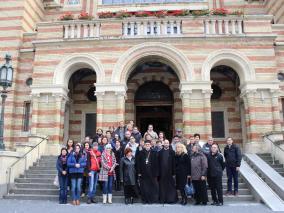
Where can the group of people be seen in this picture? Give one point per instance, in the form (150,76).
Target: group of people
(146,165)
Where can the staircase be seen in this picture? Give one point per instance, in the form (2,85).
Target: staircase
(276,166)
(37,184)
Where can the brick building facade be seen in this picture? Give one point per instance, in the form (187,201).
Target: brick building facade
(72,76)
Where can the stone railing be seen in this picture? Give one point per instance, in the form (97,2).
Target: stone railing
(151,28)
(223,26)
(88,29)
(154,27)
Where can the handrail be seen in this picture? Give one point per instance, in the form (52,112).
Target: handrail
(22,157)
(273,147)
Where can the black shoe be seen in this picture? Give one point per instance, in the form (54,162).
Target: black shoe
(126,200)
(131,200)
(184,202)
(204,203)
(93,200)
(197,203)
(214,203)
(89,201)
(219,204)
(61,202)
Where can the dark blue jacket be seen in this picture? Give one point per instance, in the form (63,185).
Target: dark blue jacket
(72,161)
(59,165)
(233,155)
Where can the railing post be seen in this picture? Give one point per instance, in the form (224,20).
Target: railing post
(233,23)
(66,31)
(220,26)
(72,28)
(240,27)
(207,27)
(226,23)
(213,26)
(98,25)
(92,30)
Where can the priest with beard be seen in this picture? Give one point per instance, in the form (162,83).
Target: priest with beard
(168,193)
(148,171)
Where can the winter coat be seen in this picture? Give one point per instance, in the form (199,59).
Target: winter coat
(233,155)
(216,165)
(94,160)
(199,165)
(128,171)
(103,175)
(137,137)
(182,170)
(71,161)
(60,166)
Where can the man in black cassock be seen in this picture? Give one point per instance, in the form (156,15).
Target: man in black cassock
(168,193)
(148,171)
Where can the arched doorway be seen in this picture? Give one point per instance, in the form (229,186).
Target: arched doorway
(80,113)
(227,110)
(153,97)
(154,105)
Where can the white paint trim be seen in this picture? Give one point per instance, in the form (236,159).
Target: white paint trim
(162,51)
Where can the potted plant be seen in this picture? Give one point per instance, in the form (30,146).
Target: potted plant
(179,12)
(219,12)
(123,14)
(106,15)
(143,13)
(161,13)
(200,12)
(85,16)
(66,16)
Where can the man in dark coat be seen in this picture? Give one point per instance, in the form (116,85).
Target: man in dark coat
(216,166)
(148,171)
(233,157)
(167,187)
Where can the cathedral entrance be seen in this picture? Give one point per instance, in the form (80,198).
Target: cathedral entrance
(153,101)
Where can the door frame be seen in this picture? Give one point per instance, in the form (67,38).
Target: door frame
(83,122)
(157,104)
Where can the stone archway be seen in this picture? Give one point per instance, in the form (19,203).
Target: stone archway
(231,58)
(74,62)
(156,50)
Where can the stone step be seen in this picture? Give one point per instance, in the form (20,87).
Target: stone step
(33,180)
(43,176)
(34,172)
(38,191)
(43,168)
(35,186)
(116,199)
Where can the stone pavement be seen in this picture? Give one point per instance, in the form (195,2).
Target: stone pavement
(21,206)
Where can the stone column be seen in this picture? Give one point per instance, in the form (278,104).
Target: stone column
(48,111)
(196,107)
(262,114)
(275,109)
(110,104)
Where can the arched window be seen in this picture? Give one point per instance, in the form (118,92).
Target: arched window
(154,91)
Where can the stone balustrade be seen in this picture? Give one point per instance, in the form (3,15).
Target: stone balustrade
(151,28)
(223,26)
(79,30)
(154,27)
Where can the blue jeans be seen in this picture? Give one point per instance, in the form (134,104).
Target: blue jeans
(93,179)
(232,173)
(76,188)
(63,180)
(107,187)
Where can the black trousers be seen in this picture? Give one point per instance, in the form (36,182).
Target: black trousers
(117,181)
(216,188)
(130,191)
(200,195)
